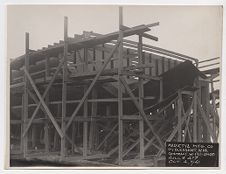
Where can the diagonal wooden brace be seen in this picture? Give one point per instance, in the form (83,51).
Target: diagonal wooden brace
(137,141)
(143,115)
(107,136)
(44,104)
(206,121)
(91,85)
(43,96)
(182,122)
(34,98)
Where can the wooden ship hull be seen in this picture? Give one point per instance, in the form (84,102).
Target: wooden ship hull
(102,100)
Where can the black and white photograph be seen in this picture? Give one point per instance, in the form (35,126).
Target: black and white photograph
(114,86)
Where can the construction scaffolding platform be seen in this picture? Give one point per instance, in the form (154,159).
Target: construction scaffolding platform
(103,100)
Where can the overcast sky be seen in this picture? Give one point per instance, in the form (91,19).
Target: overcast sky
(192,30)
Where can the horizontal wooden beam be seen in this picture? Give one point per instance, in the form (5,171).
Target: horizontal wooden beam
(207,60)
(212,64)
(148,36)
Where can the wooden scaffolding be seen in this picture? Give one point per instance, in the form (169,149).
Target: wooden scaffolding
(107,100)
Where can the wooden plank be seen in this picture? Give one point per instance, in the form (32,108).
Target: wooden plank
(154,70)
(207,60)
(160,70)
(145,60)
(172,64)
(154,49)
(210,65)
(109,100)
(150,61)
(47,67)
(166,65)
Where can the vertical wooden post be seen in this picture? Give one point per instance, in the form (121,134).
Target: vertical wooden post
(85,127)
(22,125)
(85,109)
(92,122)
(120,103)
(179,116)
(73,137)
(46,127)
(109,123)
(25,96)
(205,105)
(199,121)
(103,55)
(214,107)
(56,136)
(64,87)
(33,136)
(141,95)
(46,67)
(161,89)
(195,115)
